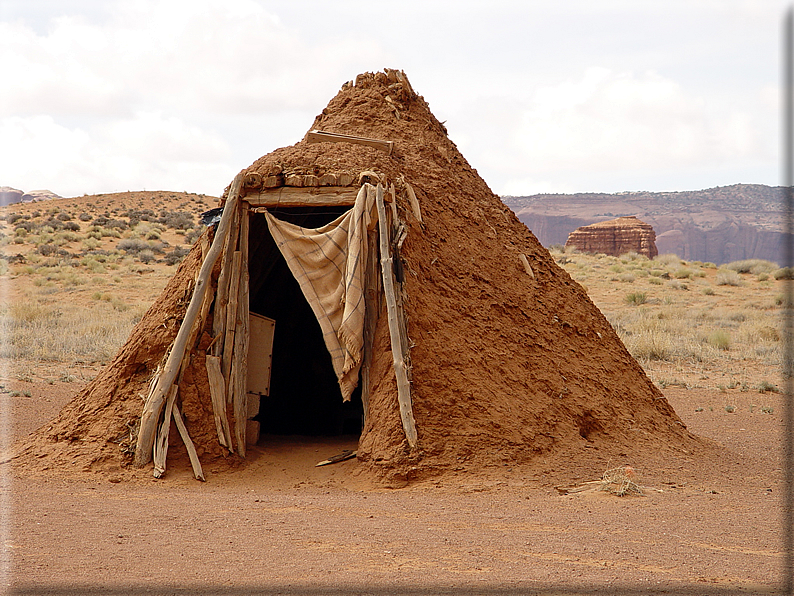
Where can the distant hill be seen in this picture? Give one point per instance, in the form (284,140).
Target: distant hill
(719,225)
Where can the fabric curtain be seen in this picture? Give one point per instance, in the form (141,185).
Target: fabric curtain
(329,264)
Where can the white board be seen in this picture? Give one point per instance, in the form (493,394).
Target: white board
(260,353)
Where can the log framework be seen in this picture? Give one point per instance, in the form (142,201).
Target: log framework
(226,357)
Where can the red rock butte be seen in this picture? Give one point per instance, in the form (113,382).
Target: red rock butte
(615,237)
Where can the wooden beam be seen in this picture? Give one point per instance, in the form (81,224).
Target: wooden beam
(154,404)
(241,340)
(292,196)
(318,136)
(400,367)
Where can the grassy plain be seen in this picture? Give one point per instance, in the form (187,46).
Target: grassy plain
(76,274)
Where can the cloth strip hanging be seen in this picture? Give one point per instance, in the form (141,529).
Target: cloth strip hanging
(329,264)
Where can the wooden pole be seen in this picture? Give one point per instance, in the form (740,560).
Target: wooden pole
(222,293)
(161,446)
(154,404)
(218,397)
(241,342)
(191,449)
(231,316)
(400,368)
(371,310)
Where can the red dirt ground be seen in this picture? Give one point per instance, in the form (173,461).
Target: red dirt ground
(283,526)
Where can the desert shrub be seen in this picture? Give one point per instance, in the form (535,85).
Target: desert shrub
(708,291)
(146,256)
(63,216)
(667,259)
(13,218)
(626,277)
(683,273)
(176,255)
(636,298)
(783,273)
(677,285)
(133,245)
(558,248)
(84,217)
(728,277)
(46,249)
(754,266)
(719,339)
(110,223)
(766,386)
(28,226)
(655,281)
(179,220)
(71,226)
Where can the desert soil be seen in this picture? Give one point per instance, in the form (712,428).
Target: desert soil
(282,525)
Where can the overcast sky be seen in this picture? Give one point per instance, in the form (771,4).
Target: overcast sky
(567,96)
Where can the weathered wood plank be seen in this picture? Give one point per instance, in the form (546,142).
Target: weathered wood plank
(161,446)
(154,404)
(241,342)
(218,397)
(222,292)
(400,367)
(291,196)
(231,315)
(191,449)
(318,136)
(371,310)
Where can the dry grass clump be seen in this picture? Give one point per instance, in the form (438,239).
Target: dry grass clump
(754,266)
(728,277)
(64,333)
(620,482)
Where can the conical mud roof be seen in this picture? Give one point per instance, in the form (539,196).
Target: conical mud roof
(513,367)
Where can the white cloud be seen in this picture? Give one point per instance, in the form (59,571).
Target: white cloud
(140,96)
(565,134)
(165,152)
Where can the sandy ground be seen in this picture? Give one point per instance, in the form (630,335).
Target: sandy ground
(281,525)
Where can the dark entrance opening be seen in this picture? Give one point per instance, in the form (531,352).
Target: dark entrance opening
(305,398)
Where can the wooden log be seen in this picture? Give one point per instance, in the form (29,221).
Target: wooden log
(231,314)
(154,404)
(218,397)
(161,446)
(295,180)
(371,310)
(252,180)
(413,201)
(400,367)
(273,181)
(241,340)
(318,136)
(527,267)
(191,449)
(222,291)
(329,179)
(290,196)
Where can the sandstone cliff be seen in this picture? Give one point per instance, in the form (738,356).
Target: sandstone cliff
(615,237)
(723,224)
